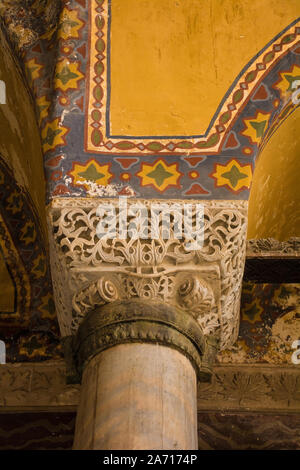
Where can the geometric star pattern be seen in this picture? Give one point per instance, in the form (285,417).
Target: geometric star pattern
(255,127)
(285,84)
(67,75)
(93,172)
(233,175)
(159,175)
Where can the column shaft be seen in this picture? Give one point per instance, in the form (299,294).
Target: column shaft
(138,396)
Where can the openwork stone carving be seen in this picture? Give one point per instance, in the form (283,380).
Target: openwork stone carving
(89,271)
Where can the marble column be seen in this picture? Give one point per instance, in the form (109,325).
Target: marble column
(142,319)
(138,396)
(139,364)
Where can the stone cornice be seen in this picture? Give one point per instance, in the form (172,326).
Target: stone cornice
(36,387)
(271,261)
(271,248)
(26,387)
(258,387)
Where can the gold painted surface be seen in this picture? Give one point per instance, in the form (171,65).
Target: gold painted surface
(274,204)
(172,61)
(269,324)
(10,254)
(26,21)
(20,143)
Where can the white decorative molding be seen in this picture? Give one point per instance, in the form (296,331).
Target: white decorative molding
(89,271)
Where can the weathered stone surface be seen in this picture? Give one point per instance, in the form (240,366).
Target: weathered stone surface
(242,387)
(36,386)
(137,396)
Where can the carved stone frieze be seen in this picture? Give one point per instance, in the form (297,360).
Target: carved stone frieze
(270,247)
(256,387)
(260,387)
(36,386)
(89,271)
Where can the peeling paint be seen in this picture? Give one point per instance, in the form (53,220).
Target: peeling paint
(266,337)
(98,190)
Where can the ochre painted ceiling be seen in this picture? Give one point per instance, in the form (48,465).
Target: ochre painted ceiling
(172,61)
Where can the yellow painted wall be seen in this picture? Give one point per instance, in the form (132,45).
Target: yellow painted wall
(172,61)
(274,205)
(20,143)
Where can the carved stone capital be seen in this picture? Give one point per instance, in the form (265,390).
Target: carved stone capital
(204,283)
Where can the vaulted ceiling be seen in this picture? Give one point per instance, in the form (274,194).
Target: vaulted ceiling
(27,313)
